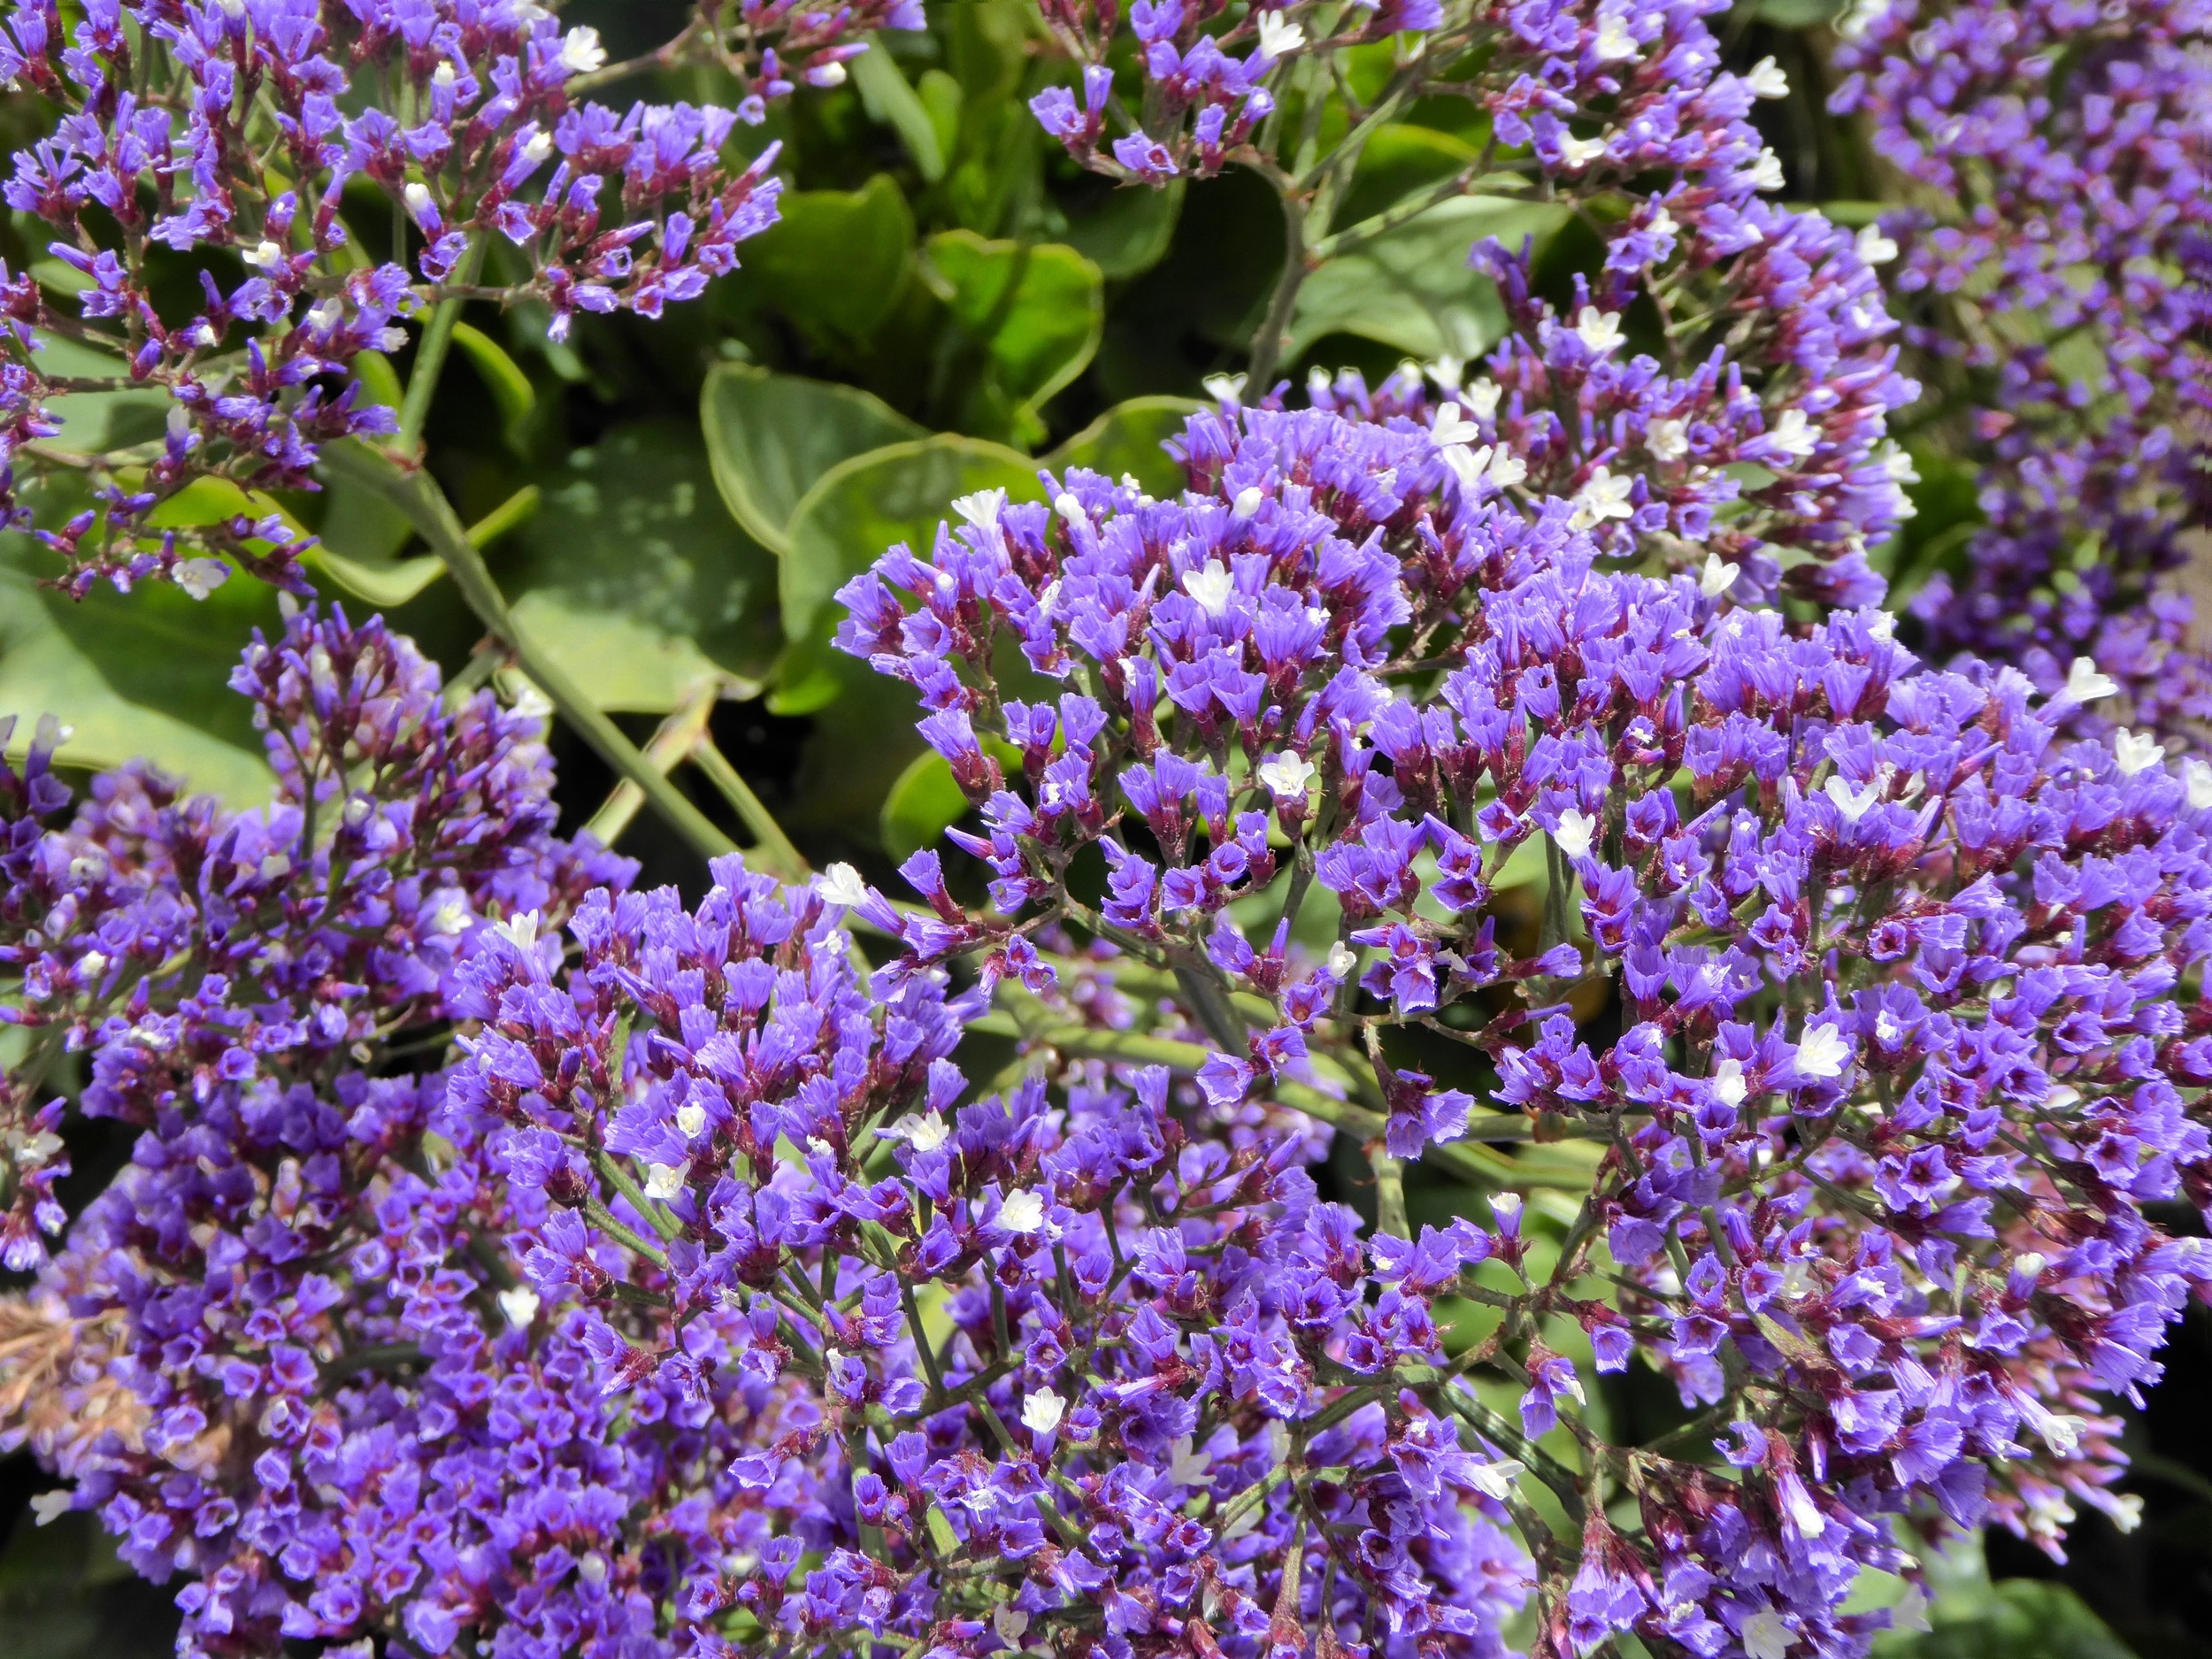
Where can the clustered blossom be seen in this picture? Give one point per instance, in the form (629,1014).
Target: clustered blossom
(1900,1055)
(284,1228)
(1207,90)
(248,131)
(2062,266)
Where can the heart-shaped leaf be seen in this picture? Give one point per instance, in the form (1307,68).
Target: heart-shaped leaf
(835,262)
(771,437)
(1033,311)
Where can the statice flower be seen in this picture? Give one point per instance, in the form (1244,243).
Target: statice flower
(2060,263)
(1902,1036)
(265,132)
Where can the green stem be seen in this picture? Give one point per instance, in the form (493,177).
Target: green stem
(418,496)
(1390,1192)
(775,849)
(430,356)
(1268,344)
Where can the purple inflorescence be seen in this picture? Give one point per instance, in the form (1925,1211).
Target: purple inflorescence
(2067,144)
(262,129)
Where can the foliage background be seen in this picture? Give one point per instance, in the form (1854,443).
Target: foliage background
(948,304)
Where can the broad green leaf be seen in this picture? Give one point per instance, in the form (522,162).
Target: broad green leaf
(836,261)
(863,734)
(860,507)
(634,578)
(922,805)
(138,676)
(889,97)
(1127,438)
(1411,287)
(770,436)
(1035,309)
(502,377)
(1397,160)
(2019,1619)
(1129,231)
(1797,14)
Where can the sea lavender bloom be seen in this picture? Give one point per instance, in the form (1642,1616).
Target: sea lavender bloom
(2067,214)
(251,130)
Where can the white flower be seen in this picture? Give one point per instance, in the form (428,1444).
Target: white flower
(593,1568)
(1717,577)
(417,196)
(1341,961)
(1667,438)
(1010,1623)
(1573,835)
(1577,153)
(1792,434)
(1603,497)
(1822,1052)
(1898,463)
(1467,466)
(1497,1479)
(1729,1086)
(1482,397)
(537,150)
(1070,508)
(663,1181)
(1614,44)
(1601,331)
(1445,372)
(1506,468)
(325,315)
(924,1132)
(1210,588)
(581,53)
(1450,428)
(520,931)
(266,257)
(1874,247)
(520,1305)
(1912,1611)
(1767,81)
(1766,1635)
(1023,1211)
(449,912)
(2085,682)
(1855,803)
(1660,223)
(1286,776)
(1766,172)
(1188,1466)
(982,508)
(832,73)
(49,1506)
(1227,388)
(201,577)
(1042,1410)
(2136,753)
(690,1119)
(1279,35)
(841,884)
(2196,777)
(1247,501)
(443,77)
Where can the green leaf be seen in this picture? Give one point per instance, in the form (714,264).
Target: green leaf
(836,262)
(1127,438)
(863,734)
(1398,161)
(770,436)
(502,377)
(1036,309)
(888,96)
(2021,1618)
(1797,14)
(922,804)
(860,507)
(138,676)
(1410,288)
(1130,230)
(634,578)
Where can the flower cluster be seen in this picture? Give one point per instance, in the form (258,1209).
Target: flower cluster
(1899,1058)
(273,131)
(2061,269)
(1203,102)
(242,985)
